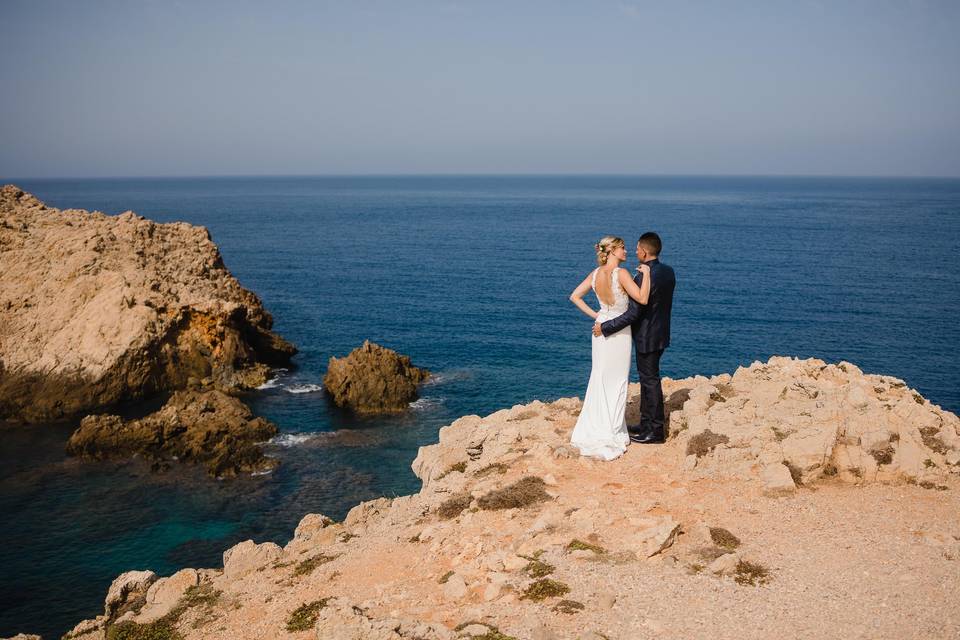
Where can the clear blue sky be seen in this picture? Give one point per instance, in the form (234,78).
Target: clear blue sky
(133,88)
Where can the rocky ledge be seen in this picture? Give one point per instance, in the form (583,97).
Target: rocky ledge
(97,310)
(513,536)
(210,428)
(373,379)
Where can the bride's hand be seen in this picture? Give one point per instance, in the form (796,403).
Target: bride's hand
(644,269)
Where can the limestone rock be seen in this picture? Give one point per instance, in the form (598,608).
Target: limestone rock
(777,480)
(93,629)
(655,539)
(248,556)
(455,587)
(209,427)
(125,588)
(373,379)
(163,595)
(100,309)
(822,420)
(23,636)
(725,565)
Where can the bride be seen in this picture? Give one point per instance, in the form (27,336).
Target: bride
(601,429)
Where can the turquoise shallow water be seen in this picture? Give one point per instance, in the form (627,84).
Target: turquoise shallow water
(470,277)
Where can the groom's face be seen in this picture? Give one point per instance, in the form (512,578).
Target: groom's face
(641,253)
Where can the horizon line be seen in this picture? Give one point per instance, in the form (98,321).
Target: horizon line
(10,180)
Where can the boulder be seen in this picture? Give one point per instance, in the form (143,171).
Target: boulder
(101,309)
(655,539)
(777,480)
(164,594)
(373,379)
(247,556)
(208,427)
(126,588)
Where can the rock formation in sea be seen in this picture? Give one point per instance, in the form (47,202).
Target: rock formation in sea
(96,310)
(794,498)
(373,379)
(207,427)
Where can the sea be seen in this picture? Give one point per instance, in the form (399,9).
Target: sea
(470,277)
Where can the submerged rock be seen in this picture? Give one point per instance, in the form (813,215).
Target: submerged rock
(373,379)
(98,309)
(208,427)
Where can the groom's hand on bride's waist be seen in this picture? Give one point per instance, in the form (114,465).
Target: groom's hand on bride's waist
(596,329)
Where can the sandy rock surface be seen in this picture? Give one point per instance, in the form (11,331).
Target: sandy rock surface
(513,534)
(208,427)
(98,309)
(373,379)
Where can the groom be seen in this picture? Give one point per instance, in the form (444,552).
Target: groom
(651,335)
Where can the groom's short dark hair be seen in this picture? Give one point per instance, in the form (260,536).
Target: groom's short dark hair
(651,242)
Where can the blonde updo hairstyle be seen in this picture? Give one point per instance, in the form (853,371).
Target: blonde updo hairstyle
(605,246)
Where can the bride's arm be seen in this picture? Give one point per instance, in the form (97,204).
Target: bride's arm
(642,293)
(577,297)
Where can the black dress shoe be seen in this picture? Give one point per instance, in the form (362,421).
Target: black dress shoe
(636,430)
(651,437)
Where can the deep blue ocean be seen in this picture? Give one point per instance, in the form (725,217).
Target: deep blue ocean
(470,277)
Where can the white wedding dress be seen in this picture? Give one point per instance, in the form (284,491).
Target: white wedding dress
(601,429)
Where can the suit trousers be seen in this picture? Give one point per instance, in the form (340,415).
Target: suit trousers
(651,392)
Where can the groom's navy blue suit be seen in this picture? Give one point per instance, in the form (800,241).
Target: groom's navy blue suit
(650,325)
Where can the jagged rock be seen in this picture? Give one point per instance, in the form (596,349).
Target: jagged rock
(822,420)
(340,620)
(163,595)
(777,480)
(101,309)
(248,556)
(373,379)
(125,588)
(209,427)
(23,636)
(455,587)
(314,529)
(93,629)
(655,539)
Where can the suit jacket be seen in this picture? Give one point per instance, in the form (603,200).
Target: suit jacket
(650,323)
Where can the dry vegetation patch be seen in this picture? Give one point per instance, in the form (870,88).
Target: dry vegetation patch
(751,573)
(543,589)
(580,545)
(490,469)
(723,538)
(452,507)
(568,606)
(307,566)
(705,442)
(522,493)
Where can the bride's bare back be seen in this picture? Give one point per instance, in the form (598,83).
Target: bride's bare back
(603,286)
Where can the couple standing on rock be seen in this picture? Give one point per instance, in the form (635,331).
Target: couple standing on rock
(633,310)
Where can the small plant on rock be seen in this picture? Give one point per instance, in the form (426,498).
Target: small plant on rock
(723,538)
(305,616)
(497,467)
(543,589)
(459,467)
(568,606)
(751,573)
(580,545)
(452,507)
(307,566)
(705,442)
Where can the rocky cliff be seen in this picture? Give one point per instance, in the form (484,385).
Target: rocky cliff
(793,498)
(97,310)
